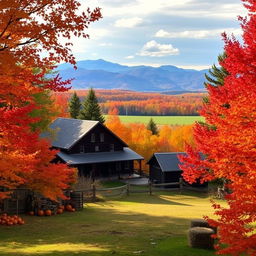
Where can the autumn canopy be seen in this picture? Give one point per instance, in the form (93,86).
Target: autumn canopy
(32,36)
(228,142)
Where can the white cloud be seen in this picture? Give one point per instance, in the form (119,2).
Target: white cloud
(129,57)
(184,8)
(105,44)
(197,34)
(97,33)
(154,49)
(128,23)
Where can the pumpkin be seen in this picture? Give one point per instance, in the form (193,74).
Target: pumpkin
(40,213)
(68,207)
(73,210)
(48,212)
(59,211)
(31,213)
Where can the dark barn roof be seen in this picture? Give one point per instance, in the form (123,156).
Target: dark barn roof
(100,157)
(167,161)
(68,131)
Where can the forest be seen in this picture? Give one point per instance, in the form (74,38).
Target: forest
(138,103)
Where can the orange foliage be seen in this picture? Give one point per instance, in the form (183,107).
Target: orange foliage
(141,140)
(25,159)
(141,103)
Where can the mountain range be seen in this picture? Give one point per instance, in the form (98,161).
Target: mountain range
(101,74)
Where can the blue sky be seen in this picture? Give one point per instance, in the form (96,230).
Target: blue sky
(185,33)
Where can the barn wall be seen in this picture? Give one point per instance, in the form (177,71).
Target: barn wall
(106,169)
(173,176)
(155,172)
(104,146)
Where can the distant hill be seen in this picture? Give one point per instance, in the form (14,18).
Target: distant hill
(101,74)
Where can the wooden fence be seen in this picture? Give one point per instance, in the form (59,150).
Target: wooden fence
(20,200)
(96,193)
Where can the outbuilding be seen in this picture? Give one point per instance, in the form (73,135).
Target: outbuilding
(164,168)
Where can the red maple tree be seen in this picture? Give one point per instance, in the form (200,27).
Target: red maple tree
(29,30)
(228,142)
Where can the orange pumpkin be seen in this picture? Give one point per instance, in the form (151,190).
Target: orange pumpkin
(20,221)
(73,210)
(40,213)
(31,213)
(48,212)
(68,207)
(59,211)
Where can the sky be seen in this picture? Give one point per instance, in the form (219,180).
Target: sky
(184,33)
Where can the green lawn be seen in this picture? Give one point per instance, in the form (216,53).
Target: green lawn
(161,120)
(135,225)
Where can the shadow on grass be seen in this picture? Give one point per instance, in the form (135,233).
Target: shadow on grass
(102,229)
(152,199)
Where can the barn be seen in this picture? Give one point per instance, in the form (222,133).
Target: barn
(92,148)
(164,168)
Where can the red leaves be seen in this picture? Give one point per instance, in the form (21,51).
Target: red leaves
(25,159)
(228,142)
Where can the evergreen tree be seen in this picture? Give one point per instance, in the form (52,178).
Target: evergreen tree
(216,75)
(91,109)
(74,106)
(152,127)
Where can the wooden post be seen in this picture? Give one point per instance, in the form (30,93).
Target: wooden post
(150,188)
(93,192)
(93,173)
(83,199)
(128,189)
(17,206)
(140,170)
(181,184)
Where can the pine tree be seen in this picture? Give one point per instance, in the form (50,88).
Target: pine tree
(74,106)
(91,109)
(152,127)
(217,74)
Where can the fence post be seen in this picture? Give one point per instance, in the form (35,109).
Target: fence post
(128,189)
(181,184)
(150,188)
(93,192)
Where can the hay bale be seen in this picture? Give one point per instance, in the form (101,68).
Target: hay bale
(200,237)
(201,223)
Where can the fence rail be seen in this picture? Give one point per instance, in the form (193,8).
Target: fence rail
(94,193)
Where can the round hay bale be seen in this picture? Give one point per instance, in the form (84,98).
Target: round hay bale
(200,237)
(201,223)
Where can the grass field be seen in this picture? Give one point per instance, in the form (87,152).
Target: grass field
(135,225)
(161,120)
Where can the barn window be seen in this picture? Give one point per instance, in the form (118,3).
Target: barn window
(102,137)
(97,148)
(93,137)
